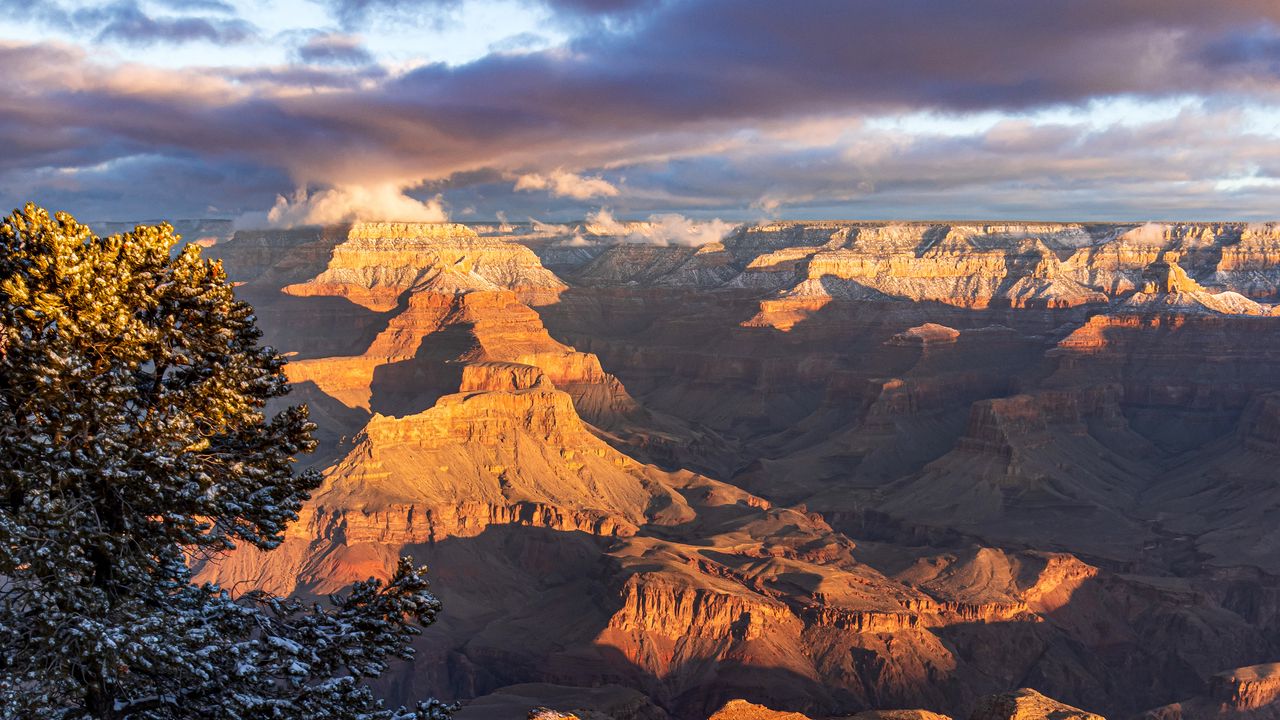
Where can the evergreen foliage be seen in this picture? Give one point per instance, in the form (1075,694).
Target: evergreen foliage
(133,438)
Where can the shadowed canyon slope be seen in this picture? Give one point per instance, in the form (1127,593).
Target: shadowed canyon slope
(824,467)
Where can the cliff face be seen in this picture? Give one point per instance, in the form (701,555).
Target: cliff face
(804,265)
(423,351)
(378,262)
(1027,704)
(826,467)
(1248,692)
(438,298)
(1247,688)
(494,446)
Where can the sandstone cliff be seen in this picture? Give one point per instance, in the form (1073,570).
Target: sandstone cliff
(826,467)
(1251,693)
(378,262)
(806,265)
(1027,704)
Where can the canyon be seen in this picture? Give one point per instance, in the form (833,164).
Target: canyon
(988,470)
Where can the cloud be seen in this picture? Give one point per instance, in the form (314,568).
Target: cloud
(659,229)
(1168,161)
(1257,46)
(144,186)
(358,13)
(334,49)
(440,13)
(690,101)
(767,205)
(346,204)
(518,43)
(549,228)
(1147,234)
(126,22)
(565,184)
(601,7)
(216,6)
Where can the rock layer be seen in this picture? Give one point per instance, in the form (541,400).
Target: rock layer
(826,467)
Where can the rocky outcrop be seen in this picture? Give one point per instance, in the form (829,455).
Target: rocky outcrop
(378,262)
(1166,286)
(1247,688)
(655,605)
(508,376)
(542,713)
(899,715)
(926,334)
(523,446)
(1247,693)
(426,346)
(1027,704)
(1251,266)
(544,701)
(411,524)
(743,710)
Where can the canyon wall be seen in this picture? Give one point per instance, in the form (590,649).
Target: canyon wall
(824,467)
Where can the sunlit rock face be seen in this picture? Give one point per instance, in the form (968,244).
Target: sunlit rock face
(377,262)
(821,468)
(1247,692)
(1027,704)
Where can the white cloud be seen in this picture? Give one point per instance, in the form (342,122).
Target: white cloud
(768,205)
(660,229)
(602,222)
(349,203)
(561,183)
(1246,182)
(548,228)
(1147,234)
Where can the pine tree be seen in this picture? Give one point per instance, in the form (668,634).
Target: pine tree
(134,437)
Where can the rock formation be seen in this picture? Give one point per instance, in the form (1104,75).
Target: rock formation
(743,710)
(1027,704)
(1247,688)
(824,468)
(541,701)
(377,262)
(1251,692)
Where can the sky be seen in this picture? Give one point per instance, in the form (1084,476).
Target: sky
(310,111)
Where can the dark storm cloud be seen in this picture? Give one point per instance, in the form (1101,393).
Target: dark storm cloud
(727,58)
(675,79)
